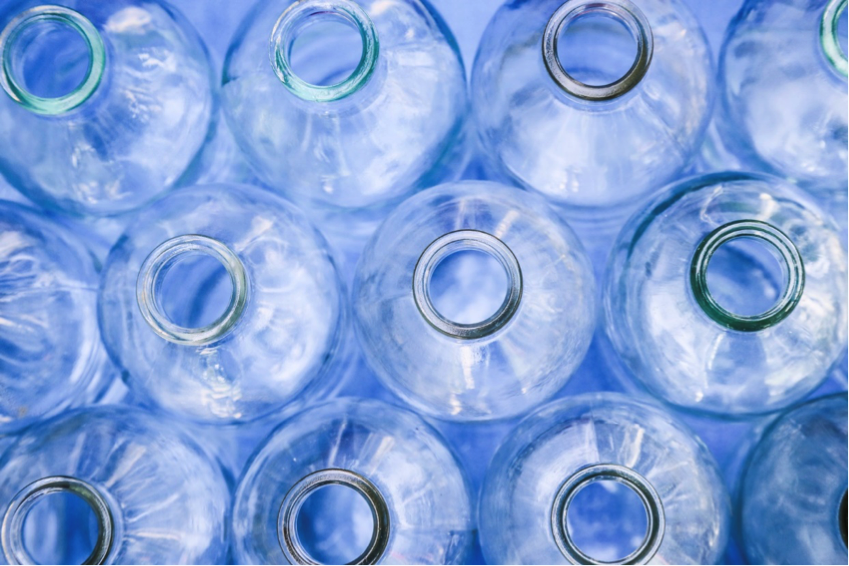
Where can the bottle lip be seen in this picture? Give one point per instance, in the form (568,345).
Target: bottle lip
(792,263)
(829,37)
(284,33)
(287,518)
(150,279)
(449,244)
(656,519)
(13,521)
(628,14)
(73,19)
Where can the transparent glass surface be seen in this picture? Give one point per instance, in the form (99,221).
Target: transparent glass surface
(474,301)
(223,304)
(380,113)
(114,141)
(792,506)
(51,356)
(420,494)
(162,500)
(519,519)
(726,294)
(784,92)
(592,152)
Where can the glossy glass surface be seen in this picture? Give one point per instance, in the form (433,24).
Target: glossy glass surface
(474,301)
(51,356)
(792,505)
(151,493)
(726,294)
(223,304)
(379,476)
(620,457)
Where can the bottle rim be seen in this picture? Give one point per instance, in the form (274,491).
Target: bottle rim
(74,20)
(829,39)
(292,21)
(655,516)
(449,244)
(624,11)
(13,521)
(287,518)
(792,264)
(151,275)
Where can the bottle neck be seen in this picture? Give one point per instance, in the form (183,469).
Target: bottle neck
(150,283)
(656,521)
(622,11)
(14,548)
(792,267)
(830,36)
(301,15)
(287,522)
(32,28)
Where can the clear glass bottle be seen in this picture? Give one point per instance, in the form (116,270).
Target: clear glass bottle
(593,103)
(353,481)
(792,505)
(727,294)
(51,355)
(111,485)
(106,104)
(474,301)
(223,305)
(601,478)
(346,107)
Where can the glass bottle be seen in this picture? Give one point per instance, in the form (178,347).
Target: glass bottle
(592,103)
(792,505)
(111,485)
(106,104)
(601,478)
(51,355)
(353,481)
(223,305)
(727,294)
(346,107)
(474,301)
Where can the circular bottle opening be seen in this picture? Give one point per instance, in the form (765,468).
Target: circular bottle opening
(53,59)
(607,520)
(324,50)
(747,275)
(467,284)
(335,524)
(192,290)
(833,36)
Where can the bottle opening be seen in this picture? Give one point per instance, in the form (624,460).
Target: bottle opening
(607,513)
(597,50)
(324,50)
(57,520)
(53,59)
(747,275)
(833,36)
(192,290)
(335,524)
(467,284)
(843,518)
(607,520)
(333,516)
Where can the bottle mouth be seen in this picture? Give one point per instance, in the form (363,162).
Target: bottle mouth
(298,17)
(150,283)
(791,264)
(287,520)
(655,518)
(452,243)
(830,36)
(19,35)
(14,548)
(623,12)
